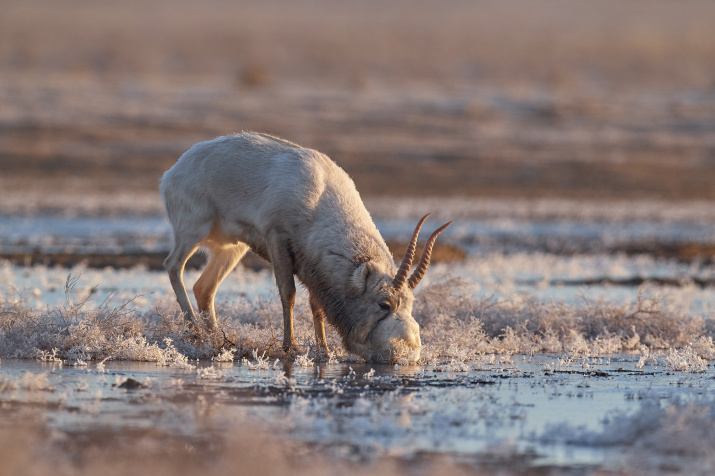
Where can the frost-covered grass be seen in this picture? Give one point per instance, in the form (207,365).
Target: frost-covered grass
(83,330)
(458,327)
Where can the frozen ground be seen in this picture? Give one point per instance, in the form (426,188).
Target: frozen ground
(545,350)
(543,249)
(543,412)
(575,337)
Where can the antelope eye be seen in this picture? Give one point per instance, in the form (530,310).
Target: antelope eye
(385,306)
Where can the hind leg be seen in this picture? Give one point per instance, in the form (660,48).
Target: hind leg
(191,218)
(222,260)
(174,265)
(186,241)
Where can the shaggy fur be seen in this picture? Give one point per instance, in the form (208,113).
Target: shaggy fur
(296,208)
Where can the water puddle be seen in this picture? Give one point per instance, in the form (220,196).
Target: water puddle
(532,358)
(532,405)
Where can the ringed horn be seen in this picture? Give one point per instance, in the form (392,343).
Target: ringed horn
(422,265)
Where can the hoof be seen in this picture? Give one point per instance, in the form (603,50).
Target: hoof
(322,354)
(290,351)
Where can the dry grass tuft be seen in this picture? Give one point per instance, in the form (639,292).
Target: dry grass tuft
(455,325)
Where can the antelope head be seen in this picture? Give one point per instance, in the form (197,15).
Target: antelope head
(388,330)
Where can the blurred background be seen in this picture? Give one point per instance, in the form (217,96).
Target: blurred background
(579,100)
(572,142)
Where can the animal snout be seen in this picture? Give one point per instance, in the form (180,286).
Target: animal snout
(413,339)
(408,345)
(393,340)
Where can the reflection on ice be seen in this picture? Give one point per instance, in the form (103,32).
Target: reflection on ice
(528,406)
(524,363)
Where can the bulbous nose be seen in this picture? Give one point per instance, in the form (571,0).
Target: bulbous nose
(395,338)
(413,335)
(412,338)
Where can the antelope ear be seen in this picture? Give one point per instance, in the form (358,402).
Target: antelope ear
(358,281)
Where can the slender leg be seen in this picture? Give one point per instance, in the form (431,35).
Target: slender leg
(282,260)
(319,323)
(174,264)
(222,261)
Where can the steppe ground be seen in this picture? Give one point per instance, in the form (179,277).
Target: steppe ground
(583,100)
(530,99)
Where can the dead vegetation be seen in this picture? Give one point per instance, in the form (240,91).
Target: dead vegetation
(595,100)
(456,325)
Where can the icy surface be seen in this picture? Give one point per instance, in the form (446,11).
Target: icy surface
(523,363)
(529,407)
(475,232)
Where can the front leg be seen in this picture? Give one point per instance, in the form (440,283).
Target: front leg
(319,322)
(282,260)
